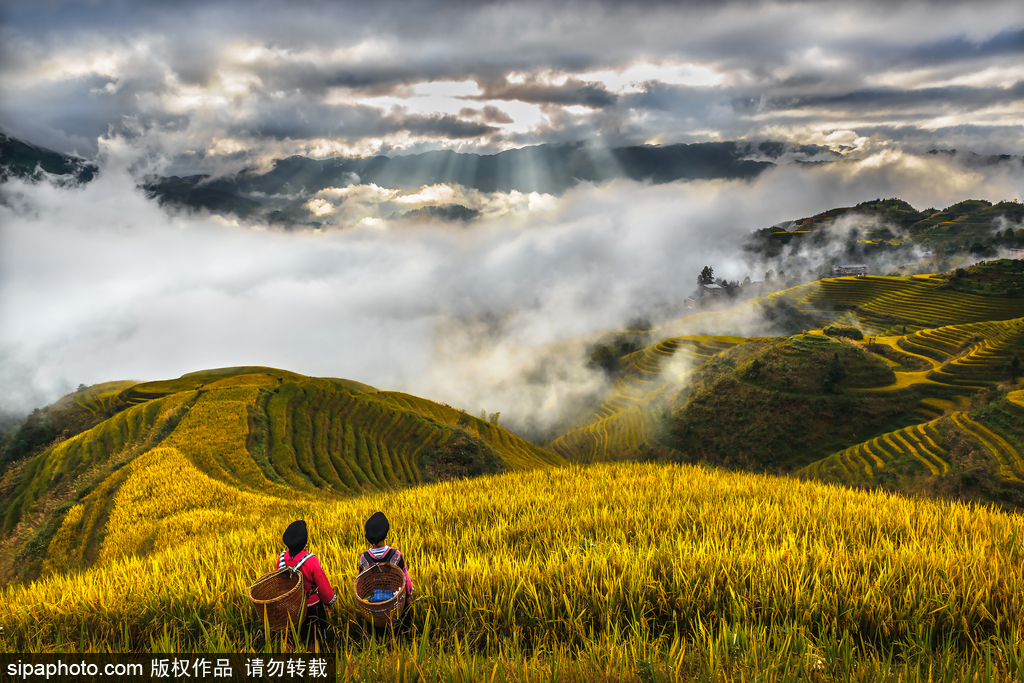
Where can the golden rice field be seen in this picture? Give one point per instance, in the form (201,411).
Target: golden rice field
(883,304)
(966,357)
(962,342)
(638,571)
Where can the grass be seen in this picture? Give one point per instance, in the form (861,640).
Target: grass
(745,574)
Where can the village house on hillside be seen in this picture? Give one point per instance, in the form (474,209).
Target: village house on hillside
(855,269)
(712,290)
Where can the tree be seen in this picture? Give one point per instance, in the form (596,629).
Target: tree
(769,275)
(494,417)
(707,276)
(834,375)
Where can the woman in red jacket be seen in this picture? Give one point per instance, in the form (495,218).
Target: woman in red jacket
(318,589)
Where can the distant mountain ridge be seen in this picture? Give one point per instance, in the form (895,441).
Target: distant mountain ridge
(21,159)
(278,195)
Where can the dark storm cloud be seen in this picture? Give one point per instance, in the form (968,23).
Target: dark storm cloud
(307,121)
(985,140)
(880,98)
(571,92)
(445,126)
(685,100)
(490,114)
(1007,42)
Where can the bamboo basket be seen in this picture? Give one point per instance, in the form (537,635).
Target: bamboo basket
(279,599)
(383,576)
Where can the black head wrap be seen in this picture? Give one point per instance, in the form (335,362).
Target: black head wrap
(295,536)
(376,528)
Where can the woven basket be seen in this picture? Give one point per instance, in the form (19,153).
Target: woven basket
(383,576)
(279,598)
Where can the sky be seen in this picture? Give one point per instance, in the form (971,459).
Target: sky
(217,85)
(99,283)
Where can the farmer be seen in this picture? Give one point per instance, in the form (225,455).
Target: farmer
(318,589)
(376,532)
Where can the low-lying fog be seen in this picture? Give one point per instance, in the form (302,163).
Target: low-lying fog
(98,283)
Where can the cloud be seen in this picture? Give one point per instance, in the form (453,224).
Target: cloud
(97,283)
(535,91)
(938,99)
(353,204)
(313,76)
(489,113)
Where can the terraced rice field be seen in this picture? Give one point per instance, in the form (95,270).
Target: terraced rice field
(885,304)
(998,431)
(965,343)
(622,427)
(964,359)
(863,461)
(272,433)
(101,397)
(114,440)
(517,453)
(1011,464)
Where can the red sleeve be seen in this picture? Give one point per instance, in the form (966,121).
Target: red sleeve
(323,586)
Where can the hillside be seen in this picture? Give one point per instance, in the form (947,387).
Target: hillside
(766,404)
(253,431)
(777,404)
(140,526)
(21,159)
(890,233)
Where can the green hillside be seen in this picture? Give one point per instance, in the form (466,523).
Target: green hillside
(255,430)
(885,305)
(882,232)
(788,404)
(778,404)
